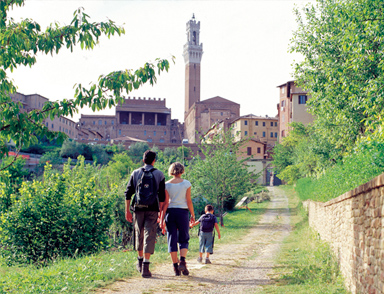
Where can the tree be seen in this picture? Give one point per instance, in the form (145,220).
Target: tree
(137,150)
(341,42)
(220,175)
(21,42)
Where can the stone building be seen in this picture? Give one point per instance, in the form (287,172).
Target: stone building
(264,129)
(292,107)
(58,124)
(199,116)
(143,119)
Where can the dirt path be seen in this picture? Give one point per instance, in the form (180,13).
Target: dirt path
(239,267)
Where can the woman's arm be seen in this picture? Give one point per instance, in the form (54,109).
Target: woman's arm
(190,204)
(164,210)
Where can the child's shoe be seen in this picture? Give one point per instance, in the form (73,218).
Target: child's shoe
(207,261)
(199,259)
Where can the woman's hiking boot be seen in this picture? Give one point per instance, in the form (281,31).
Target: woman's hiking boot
(139,264)
(145,273)
(176,269)
(183,268)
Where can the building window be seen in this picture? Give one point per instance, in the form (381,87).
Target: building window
(100,122)
(255,133)
(154,133)
(46,124)
(282,89)
(165,133)
(145,133)
(112,122)
(249,150)
(256,123)
(275,135)
(271,123)
(263,134)
(221,114)
(245,133)
(119,132)
(245,122)
(302,99)
(271,135)
(275,123)
(263,123)
(52,126)
(258,150)
(161,140)
(149,140)
(282,134)
(60,129)
(105,122)
(94,122)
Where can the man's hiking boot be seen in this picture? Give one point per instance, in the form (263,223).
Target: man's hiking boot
(199,259)
(176,270)
(207,261)
(183,268)
(139,264)
(145,273)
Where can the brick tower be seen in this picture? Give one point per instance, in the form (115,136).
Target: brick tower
(193,51)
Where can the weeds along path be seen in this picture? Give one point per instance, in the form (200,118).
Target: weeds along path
(239,267)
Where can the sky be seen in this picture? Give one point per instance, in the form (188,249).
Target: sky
(245,44)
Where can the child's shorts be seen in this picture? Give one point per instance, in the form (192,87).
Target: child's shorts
(206,242)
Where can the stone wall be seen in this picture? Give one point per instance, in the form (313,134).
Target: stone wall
(353,225)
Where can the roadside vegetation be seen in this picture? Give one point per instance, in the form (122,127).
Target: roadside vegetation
(343,72)
(305,263)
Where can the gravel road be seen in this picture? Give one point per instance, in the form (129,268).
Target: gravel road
(239,267)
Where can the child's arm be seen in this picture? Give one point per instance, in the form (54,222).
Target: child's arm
(192,224)
(217,229)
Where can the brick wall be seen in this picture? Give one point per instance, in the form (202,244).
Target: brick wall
(353,225)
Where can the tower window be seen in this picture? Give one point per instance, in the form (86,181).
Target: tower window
(263,123)
(245,122)
(194,38)
(249,150)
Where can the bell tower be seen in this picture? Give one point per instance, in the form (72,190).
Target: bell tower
(193,51)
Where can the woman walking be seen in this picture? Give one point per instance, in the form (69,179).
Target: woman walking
(177,203)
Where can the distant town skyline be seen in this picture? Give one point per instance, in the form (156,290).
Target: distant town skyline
(245,46)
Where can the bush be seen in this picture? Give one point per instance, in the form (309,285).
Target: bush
(60,216)
(356,169)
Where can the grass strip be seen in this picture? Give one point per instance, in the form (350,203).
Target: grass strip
(305,263)
(84,273)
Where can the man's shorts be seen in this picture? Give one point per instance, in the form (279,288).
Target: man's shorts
(145,230)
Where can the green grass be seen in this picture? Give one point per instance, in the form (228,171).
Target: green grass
(305,263)
(83,274)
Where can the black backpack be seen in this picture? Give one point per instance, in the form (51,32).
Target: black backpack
(207,223)
(146,192)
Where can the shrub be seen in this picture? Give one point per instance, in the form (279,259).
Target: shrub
(60,216)
(356,169)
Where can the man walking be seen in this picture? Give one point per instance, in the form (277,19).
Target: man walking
(147,207)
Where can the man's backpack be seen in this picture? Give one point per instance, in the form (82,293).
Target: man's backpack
(146,192)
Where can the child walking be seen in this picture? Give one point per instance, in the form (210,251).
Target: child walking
(208,222)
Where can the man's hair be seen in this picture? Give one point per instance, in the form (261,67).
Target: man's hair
(175,168)
(209,207)
(149,156)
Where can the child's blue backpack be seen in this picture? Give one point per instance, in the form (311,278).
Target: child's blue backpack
(207,222)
